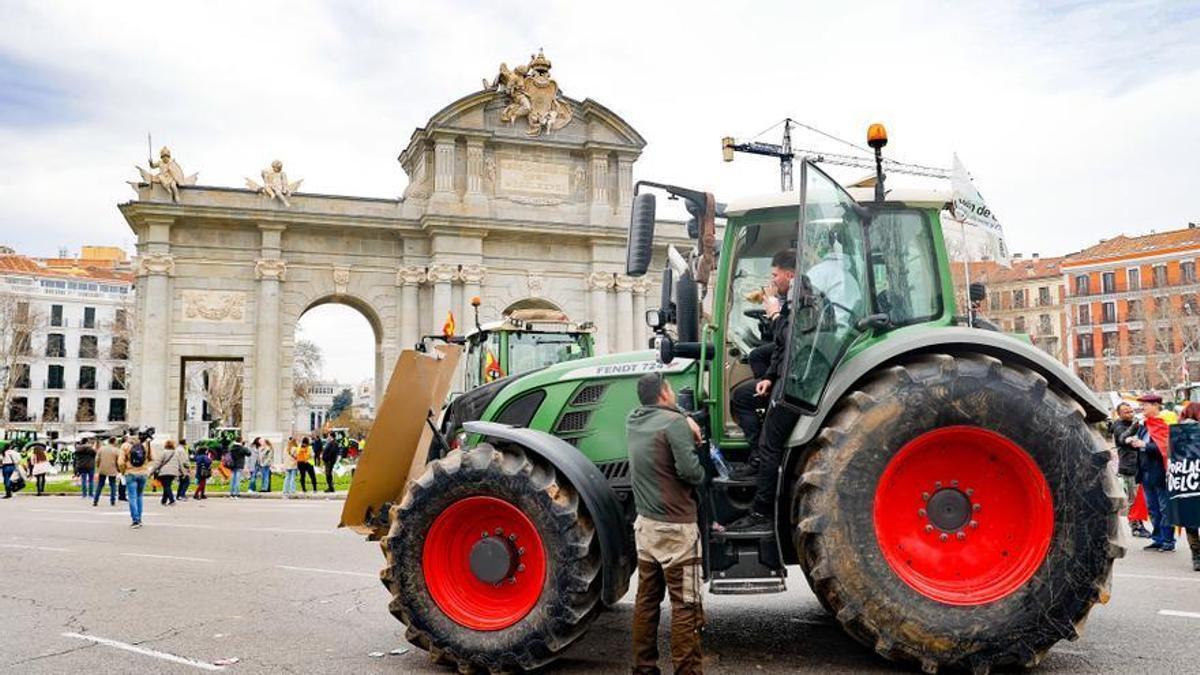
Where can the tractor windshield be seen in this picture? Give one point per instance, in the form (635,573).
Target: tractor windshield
(831,273)
(530,351)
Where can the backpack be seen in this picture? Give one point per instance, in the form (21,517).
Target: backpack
(302,455)
(203,469)
(137,455)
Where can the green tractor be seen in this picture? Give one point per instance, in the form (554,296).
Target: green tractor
(523,340)
(944,491)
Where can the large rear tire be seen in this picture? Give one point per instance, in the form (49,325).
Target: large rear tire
(958,512)
(492,561)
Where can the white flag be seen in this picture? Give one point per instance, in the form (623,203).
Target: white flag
(972,211)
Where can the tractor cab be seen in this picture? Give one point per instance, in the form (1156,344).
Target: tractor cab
(523,340)
(18,438)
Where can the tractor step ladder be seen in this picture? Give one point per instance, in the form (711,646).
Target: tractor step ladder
(744,558)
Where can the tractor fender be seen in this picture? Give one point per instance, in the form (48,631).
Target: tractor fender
(946,340)
(598,496)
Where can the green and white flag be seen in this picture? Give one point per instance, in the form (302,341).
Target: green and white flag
(972,212)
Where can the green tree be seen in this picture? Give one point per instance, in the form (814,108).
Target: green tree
(341,401)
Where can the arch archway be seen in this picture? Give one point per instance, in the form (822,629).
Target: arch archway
(532,303)
(309,413)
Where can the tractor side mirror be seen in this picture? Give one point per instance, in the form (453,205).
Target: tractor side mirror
(687,308)
(640,247)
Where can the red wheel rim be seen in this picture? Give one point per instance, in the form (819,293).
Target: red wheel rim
(958,559)
(446,560)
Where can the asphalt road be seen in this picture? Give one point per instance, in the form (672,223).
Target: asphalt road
(274,585)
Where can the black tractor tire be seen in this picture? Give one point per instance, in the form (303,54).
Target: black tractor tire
(570,596)
(837,540)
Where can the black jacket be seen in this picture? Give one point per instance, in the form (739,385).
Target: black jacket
(330,452)
(85,458)
(780,330)
(237,456)
(1151,470)
(1127,456)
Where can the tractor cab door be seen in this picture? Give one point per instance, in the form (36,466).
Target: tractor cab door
(829,298)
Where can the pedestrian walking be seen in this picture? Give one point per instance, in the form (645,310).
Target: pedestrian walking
(108,459)
(85,467)
(10,465)
(204,469)
(1152,443)
(40,468)
(266,457)
(329,457)
(168,466)
(290,452)
(665,469)
(1123,429)
(304,464)
(136,458)
(237,464)
(185,478)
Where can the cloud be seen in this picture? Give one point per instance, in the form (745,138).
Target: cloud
(1077,119)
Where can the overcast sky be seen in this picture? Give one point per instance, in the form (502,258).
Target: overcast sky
(1078,120)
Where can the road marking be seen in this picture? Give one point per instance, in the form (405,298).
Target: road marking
(321,571)
(145,652)
(167,557)
(36,548)
(197,526)
(1186,615)
(285,530)
(1155,577)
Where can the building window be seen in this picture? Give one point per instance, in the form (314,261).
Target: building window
(1162,308)
(1045,327)
(118,378)
(1018,299)
(23,313)
(1085,374)
(1084,347)
(1187,271)
(1081,285)
(1085,315)
(1134,278)
(1137,376)
(1160,276)
(56,315)
(1108,281)
(50,409)
(1109,343)
(86,411)
(18,409)
(1137,342)
(1163,344)
(54,377)
(56,345)
(993,302)
(1133,310)
(87,377)
(20,376)
(1109,312)
(120,348)
(1019,324)
(88,347)
(119,320)
(89,317)
(116,410)
(1044,296)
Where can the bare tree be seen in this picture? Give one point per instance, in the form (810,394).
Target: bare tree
(221,383)
(18,321)
(306,369)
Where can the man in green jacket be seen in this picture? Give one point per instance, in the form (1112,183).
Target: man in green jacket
(665,470)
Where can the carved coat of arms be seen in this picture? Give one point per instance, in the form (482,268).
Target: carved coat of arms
(531,93)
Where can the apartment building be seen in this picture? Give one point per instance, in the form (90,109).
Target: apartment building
(1027,297)
(64,350)
(1133,305)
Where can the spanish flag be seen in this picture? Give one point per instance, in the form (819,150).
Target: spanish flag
(448,327)
(491,368)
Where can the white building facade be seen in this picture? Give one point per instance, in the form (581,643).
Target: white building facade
(68,359)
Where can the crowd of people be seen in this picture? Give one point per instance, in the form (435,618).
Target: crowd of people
(1142,458)
(129,465)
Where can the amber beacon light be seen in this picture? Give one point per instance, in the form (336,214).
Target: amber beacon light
(876,135)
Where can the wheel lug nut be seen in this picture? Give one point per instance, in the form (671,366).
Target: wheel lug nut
(974,524)
(953,483)
(970,491)
(512,580)
(512,537)
(921,512)
(937,484)
(499,531)
(521,551)
(483,535)
(943,536)
(975,507)
(961,535)
(929,528)
(925,496)
(520,568)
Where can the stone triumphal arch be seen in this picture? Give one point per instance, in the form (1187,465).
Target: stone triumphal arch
(514,192)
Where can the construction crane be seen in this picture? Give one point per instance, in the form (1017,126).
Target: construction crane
(787,154)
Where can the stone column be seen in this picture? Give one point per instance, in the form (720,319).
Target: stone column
(441,276)
(625,183)
(474,166)
(599,284)
(155,267)
(268,375)
(600,178)
(641,286)
(624,286)
(443,167)
(472,279)
(409,280)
